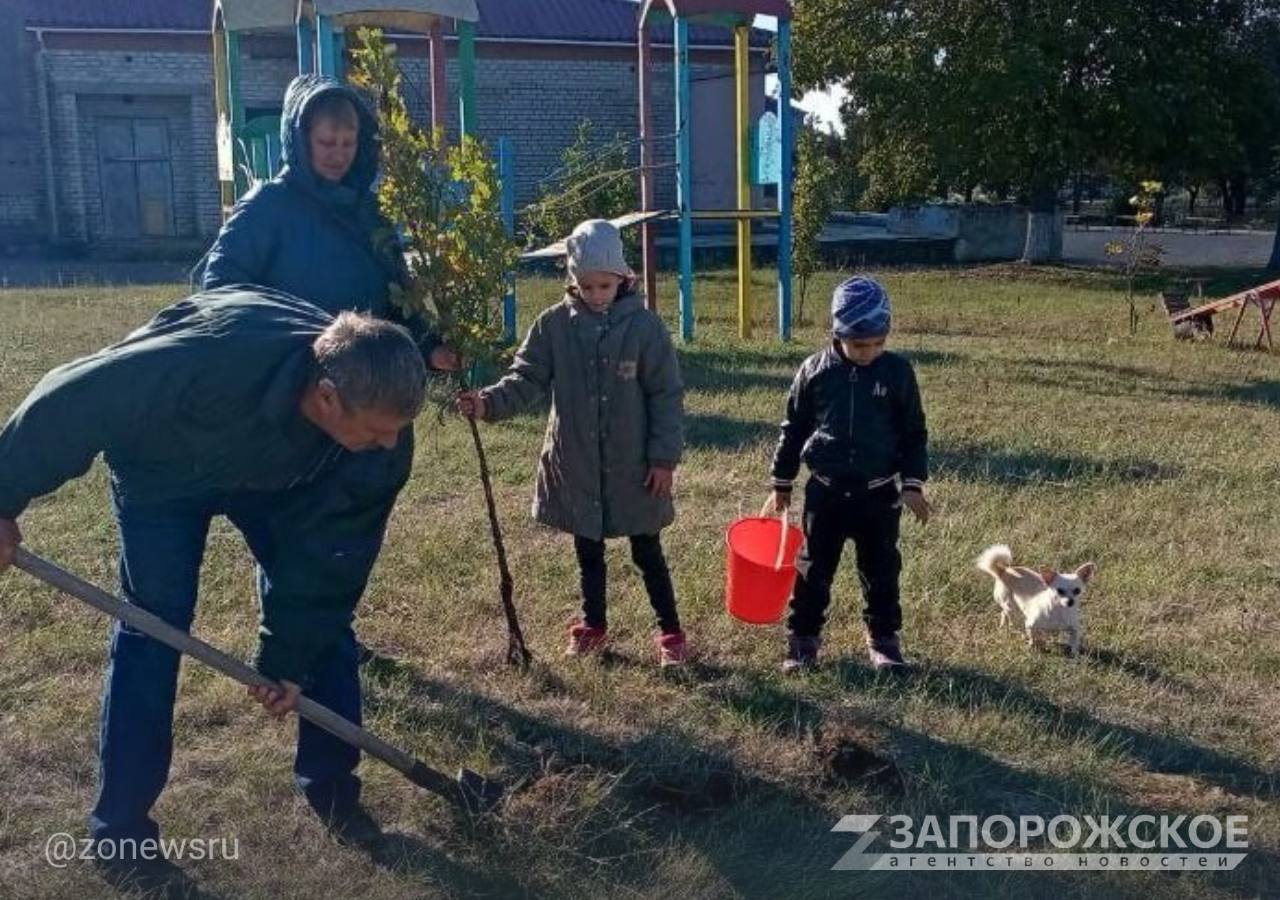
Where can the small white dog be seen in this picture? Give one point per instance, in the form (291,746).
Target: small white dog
(1043,601)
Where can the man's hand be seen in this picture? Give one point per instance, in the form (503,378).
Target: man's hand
(777,502)
(919,506)
(471,405)
(278,701)
(445,359)
(10,538)
(659,481)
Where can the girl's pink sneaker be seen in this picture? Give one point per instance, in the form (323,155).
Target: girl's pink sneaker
(585,640)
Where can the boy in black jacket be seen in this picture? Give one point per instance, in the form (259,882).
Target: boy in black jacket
(854,417)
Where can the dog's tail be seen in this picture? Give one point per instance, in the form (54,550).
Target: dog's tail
(995,559)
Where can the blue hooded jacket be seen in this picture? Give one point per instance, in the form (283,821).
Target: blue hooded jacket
(325,243)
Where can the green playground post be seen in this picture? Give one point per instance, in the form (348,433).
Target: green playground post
(467,77)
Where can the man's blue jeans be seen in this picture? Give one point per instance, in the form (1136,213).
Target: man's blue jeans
(161,548)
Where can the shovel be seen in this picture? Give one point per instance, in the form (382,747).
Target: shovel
(469,790)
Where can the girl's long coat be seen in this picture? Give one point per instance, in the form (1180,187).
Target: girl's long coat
(616,411)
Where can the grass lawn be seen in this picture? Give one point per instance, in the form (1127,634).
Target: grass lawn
(1052,429)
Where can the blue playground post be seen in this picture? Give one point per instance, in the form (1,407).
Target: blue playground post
(324,46)
(306,47)
(339,54)
(684,176)
(507,200)
(784,180)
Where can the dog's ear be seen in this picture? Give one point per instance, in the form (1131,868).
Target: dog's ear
(1085,572)
(1047,575)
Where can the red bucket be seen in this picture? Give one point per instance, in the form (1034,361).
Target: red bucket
(760,568)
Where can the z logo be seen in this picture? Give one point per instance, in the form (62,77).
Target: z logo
(856,857)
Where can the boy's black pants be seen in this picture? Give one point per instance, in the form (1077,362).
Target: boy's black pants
(833,515)
(646,553)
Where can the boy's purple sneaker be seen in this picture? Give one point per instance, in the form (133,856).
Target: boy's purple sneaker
(802,653)
(885,653)
(673,649)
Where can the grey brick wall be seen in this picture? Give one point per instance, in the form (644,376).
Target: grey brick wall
(21,203)
(537,104)
(263,79)
(68,173)
(204,164)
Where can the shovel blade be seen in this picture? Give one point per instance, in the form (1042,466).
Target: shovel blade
(479,794)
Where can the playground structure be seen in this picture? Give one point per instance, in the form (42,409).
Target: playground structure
(251,148)
(763,155)
(772,156)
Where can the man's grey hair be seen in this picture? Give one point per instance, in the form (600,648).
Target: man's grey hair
(374,364)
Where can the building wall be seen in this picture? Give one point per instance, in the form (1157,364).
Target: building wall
(534,96)
(982,232)
(21,203)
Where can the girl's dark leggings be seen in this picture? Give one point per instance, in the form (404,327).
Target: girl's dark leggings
(646,553)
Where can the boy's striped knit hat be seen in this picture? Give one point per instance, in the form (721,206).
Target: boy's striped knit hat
(860,309)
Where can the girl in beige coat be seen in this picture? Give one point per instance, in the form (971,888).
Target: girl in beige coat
(615,434)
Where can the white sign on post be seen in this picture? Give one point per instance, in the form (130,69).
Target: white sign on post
(767,148)
(226,161)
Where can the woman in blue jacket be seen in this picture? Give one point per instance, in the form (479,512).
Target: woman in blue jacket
(315,231)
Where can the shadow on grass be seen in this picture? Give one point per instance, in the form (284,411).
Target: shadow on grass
(1265,393)
(770,838)
(727,381)
(953,778)
(1143,383)
(737,371)
(716,370)
(1216,281)
(924,358)
(999,465)
(605,811)
(164,879)
(409,856)
(710,431)
(971,688)
(1139,669)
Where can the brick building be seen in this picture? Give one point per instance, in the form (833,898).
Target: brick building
(107,116)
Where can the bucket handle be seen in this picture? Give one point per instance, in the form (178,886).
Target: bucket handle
(782,541)
(782,537)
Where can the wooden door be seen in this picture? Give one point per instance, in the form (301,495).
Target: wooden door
(136,173)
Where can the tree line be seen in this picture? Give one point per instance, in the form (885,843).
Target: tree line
(1020,99)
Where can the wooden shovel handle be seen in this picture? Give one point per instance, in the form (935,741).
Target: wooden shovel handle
(155,627)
